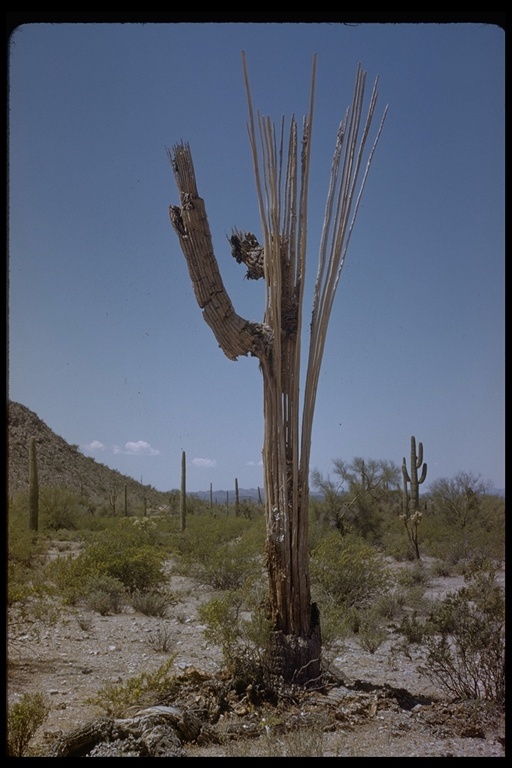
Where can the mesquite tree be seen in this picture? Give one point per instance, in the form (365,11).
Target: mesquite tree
(281,167)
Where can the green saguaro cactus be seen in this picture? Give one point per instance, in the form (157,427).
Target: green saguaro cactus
(33,488)
(411,514)
(237,499)
(183,494)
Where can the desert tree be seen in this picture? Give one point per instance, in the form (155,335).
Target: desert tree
(459,498)
(358,494)
(281,159)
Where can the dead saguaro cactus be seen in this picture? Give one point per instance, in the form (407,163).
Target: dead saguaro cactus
(411,513)
(281,163)
(33,488)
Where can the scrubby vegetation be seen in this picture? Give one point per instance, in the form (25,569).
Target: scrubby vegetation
(142,690)
(23,719)
(365,579)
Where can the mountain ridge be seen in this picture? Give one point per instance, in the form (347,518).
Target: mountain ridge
(61,464)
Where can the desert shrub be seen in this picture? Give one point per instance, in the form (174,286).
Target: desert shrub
(415,575)
(418,601)
(337,621)
(412,629)
(138,567)
(161,639)
(152,602)
(239,624)
(396,544)
(349,570)
(305,741)
(205,534)
(142,690)
(85,622)
(482,535)
(69,576)
(221,616)
(60,508)
(104,594)
(25,584)
(230,565)
(391,604)
(23,719)
(24,550)
(465,641)
(23,545)
(442,569)
(371,633)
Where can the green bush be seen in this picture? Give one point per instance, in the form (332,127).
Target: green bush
(465,641)
(349,570)
(24,551)
(239,624)
(223,552)
(104,594)
(371,633)
(152,603)
(139,567)
(116,555)
(391,604)
(60,508)
(23,719)
(142,690)
(23,545)
(415,575)
(412,629)
(337,621)
(230,565)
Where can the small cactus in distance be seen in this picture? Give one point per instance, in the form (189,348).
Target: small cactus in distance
(411,513)
(183,495)
(33,488)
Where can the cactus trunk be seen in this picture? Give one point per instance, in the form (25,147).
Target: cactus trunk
(411,514)
(183,496)
(33,492)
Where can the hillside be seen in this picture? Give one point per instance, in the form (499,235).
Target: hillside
(61,464)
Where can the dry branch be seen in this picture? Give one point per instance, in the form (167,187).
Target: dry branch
(235,335)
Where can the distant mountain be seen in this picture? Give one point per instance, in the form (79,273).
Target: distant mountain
(61,464)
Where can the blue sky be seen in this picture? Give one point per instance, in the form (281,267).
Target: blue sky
(106,342)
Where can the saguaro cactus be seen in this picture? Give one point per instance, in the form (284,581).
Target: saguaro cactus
(237,499)
(281,161)
(411,514)
(183,496)
(33,488)
(112,498)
